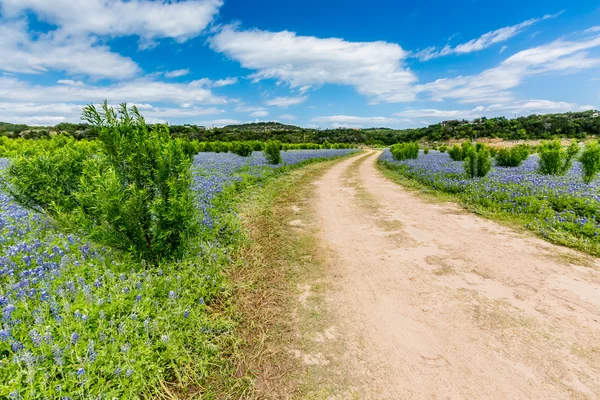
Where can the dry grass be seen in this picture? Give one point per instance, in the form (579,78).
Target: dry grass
(265,281)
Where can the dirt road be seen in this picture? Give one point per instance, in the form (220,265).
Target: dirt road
(432,302)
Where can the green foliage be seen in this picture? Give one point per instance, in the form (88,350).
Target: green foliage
(443,148)
(426,151)
(133,195)
(242,149)
(273,152)
(456,153)
(405,151)
(512,157)
(554,159)
(477,163)
(590,161)
(326,145)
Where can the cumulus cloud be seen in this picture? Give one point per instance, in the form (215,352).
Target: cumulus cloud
(59,51)
(493,85)
(526,107)
(285,101)
(179,20)
(177,73)
(259,114)
(34,113)
(374,69)
(137,90)
(484,41)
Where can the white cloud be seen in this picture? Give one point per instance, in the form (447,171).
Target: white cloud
(259,114)
(374,69)
(526,107)
(484,41)
(57,51)
(53,113)
(180,20)
(593,29)
(286,101)
(177,73)
(288,117)
(502,49)
(248,109)
(138,91)
(224,82)
(493,85)
(338,121)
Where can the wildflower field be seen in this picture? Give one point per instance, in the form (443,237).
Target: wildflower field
(83,321)
(561,208)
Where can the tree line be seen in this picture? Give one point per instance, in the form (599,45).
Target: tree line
(577,125)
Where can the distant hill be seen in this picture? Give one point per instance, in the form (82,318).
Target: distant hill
(262,127)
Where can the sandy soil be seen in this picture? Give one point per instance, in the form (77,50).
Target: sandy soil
(432,302)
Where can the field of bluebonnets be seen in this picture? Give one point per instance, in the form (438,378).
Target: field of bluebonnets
(561,208)
(80,320)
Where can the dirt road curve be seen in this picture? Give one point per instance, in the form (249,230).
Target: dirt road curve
(436,303)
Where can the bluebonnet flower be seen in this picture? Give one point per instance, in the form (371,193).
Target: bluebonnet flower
(16,346)
(80,372)
(138,298)
(129,373)
(186,314)
(36,338)
(74,337)
(172,295)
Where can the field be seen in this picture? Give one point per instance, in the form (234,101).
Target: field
(83,321)
(562,209)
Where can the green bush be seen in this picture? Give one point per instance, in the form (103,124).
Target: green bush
(513,157)
(590,161)
(242,149)
(134,194)
(554,159)
(405,151)
(456,153)
(426,151)
(443,148)
(477,163)
(273,152)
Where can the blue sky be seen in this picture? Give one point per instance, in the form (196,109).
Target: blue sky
(326,63)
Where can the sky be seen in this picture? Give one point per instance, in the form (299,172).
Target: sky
(318,64)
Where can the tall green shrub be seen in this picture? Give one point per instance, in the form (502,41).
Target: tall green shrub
(456,153)
(242,149)
(273,151)
(590,161)
(513,157)
(134,194)
(477,163)
(556,160)
(405,151)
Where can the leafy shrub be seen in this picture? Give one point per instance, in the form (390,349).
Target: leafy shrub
(554,159)
(590,161)
(242,149)
(134,194)
(405,151)
(513,157)
(456,153)
(443,148)
(477,163)
(273,152)
(326,145)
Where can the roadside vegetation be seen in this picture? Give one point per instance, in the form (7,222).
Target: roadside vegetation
(554,193)
(115,256)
